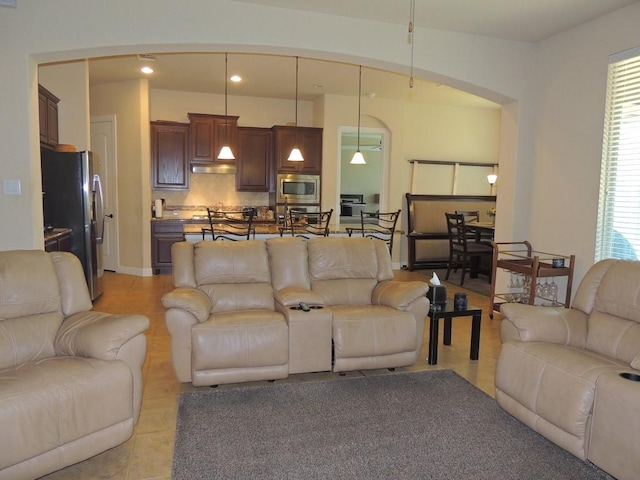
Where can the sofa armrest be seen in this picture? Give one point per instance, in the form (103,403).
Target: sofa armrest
(397,294)
(98,335)
(292,296)
(190,299)
(531,323)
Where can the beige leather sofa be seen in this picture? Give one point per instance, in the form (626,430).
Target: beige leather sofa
(559,369)
(235,313)
(70,377)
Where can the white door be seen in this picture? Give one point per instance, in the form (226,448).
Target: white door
(103,144)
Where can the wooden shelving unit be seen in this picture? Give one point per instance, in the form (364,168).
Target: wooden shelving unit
(520,258)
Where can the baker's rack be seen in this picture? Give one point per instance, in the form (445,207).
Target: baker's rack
(520,258)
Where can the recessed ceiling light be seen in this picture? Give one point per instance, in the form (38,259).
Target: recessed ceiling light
(317,85)
(235,78)
(147,70)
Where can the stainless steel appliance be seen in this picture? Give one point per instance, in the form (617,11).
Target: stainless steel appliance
(295,188)
(72,198)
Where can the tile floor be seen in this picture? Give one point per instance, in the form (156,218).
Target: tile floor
(148,454)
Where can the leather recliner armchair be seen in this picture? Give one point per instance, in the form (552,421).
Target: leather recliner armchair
(376,322)
(559,369)
(70,377)
(221,315)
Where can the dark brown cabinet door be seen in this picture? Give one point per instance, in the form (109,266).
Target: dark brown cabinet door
(208,134)
(307,139)
(253,172)
(164,234)
(48,112)
(169,156)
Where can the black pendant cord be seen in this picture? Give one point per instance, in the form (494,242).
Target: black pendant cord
(359,101)
(226,119)
(412,17)
(296,116)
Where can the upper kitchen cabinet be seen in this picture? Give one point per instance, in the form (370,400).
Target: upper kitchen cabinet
(48,110)
(169,156)
(309,141)
(209,133)
(253,173)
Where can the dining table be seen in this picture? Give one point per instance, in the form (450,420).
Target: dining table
(484,231)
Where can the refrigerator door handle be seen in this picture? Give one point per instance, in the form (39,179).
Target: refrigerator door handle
(99,208)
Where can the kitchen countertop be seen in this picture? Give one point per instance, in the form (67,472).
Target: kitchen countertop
(56,233)
(191,226)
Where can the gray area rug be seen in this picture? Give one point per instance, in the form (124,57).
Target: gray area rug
(424,425)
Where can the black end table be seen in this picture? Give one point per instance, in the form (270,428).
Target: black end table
(448,312)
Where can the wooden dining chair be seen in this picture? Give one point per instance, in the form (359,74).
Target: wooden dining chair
(380,225)
(230,225)
(464,253)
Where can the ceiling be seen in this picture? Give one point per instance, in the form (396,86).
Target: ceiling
(273,76)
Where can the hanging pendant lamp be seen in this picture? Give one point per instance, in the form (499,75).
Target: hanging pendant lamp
(296,154)
(358,158)
(225,151)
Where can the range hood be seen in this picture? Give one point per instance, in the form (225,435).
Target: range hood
(213,168)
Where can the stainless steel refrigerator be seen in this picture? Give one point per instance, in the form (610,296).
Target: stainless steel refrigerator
(72,198)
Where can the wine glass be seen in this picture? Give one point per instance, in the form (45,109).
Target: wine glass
(553,291)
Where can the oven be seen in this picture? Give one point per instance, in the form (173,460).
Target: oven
(294,188)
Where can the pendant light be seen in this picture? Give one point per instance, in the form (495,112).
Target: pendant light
(358,158)
(296,154)
(225,151)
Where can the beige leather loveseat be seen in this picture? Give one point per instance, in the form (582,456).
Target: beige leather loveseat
(559,369)
(70,378)
(235,313)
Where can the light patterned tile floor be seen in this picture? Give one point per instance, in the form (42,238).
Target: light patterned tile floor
(148,454)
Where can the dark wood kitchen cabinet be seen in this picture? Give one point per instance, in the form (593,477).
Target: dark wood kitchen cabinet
(48,112)
(164,233)
(169,156)
(59,240)
(208,135)
(254,172)
(309,141)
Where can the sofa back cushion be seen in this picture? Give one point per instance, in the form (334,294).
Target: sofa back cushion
(614,323)
(289,262)
(30,306)
(346,270)
(234,275)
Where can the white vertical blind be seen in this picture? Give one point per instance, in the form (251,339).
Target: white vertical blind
(618,233)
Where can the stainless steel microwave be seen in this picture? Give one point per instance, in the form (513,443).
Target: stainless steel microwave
(296,188)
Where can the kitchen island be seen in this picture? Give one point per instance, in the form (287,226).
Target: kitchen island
(167,231)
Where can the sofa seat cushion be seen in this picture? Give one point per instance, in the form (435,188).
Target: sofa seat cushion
(249,338)
(372,330)
(49,403)
(534,374)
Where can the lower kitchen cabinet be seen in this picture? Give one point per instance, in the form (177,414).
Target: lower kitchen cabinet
(59,240)
(164,233)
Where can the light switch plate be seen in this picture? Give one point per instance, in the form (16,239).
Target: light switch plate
(11,187)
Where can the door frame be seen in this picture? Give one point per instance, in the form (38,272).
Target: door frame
(386,159)
(112,186)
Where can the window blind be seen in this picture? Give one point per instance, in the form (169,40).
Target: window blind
(618,231)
